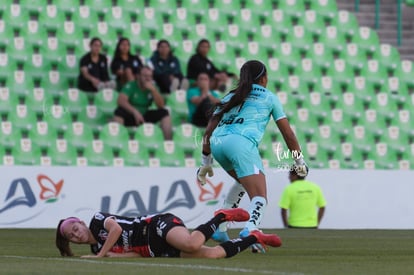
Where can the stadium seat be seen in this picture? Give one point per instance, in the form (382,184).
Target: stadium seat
(97,154)
(330,89)
(58,117)
(22,118)
(385,105)
(305,123)
(296,86)
(294,8)
(177,102)
(61,154)
(281,22)
(341,71)
(288,55)
(375,73)
(187,137)
(405,72)
(300,38)
(79,135)
(9,135)
(354,56)
(288,103)
(346,23)
(114,135)
(388,56)
(133,155)
(313,23)
(149,136)
(404,122)
(318,104)
(73,100)
(24,153)
(375,123)
(316,156)
(384,157)
(320,56)
(169,155)
(333,39)
(351,105)
(7,100)
(326,8)
(362,89)
(93,117)
(106,100)
(308,72)
(339,122)
(42,135)
(396,138)
(367,39)
(277,73)
(361,139)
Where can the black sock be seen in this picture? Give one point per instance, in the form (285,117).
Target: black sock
(210,227)
(236,246)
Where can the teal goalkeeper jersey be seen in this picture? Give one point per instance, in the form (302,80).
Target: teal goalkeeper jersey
(251,117)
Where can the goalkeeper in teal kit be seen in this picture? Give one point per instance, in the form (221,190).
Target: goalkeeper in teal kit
(232,138)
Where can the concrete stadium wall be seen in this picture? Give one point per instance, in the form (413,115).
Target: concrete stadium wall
(38,197)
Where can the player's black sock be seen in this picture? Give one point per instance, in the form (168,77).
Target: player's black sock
(236,246)
(210,227)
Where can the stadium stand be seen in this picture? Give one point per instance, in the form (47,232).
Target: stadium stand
(347,94)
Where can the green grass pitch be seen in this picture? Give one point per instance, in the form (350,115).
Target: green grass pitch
(333,252)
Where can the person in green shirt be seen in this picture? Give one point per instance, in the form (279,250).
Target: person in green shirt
(200,100)
(299,201)
(135,99)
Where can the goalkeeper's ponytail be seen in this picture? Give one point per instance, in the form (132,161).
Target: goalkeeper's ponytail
(250,73)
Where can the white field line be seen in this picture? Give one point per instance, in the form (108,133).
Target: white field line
(180,266)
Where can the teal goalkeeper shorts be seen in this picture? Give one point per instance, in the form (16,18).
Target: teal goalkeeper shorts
(237,152)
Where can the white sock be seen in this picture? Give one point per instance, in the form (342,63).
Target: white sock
(256,211)
(232,200)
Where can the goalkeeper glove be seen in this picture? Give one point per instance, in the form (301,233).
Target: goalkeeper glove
(206,161)
(301,168)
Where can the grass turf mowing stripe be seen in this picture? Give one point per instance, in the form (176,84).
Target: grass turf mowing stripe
(194,267)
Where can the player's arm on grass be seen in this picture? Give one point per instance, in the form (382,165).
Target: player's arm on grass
(114,232)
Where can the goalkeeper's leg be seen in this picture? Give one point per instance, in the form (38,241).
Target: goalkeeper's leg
(232,200)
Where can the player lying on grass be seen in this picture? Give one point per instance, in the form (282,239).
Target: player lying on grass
(162,235)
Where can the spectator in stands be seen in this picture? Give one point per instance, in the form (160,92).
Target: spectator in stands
(199,63)
(135,99)
(94,74)
(200,100)
(167,69)
(299,199)
(124,65)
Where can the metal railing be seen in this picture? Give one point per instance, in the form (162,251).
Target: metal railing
(377,17)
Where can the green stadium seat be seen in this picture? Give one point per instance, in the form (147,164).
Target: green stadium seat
(384,105)
(37,100)
(42,135)
(22,118)
(69,7)
(316,156)
(74,100)
(93,117)
(354,56)
(351,105)
(9,135)
(327,138)
(346,23)
(177,102)
(367,39)
(133,155)
(341,72)
(375,123)
(7,100)
(169,156)
(409,2)
(107,101)
(339,122)
(288,55)
(304,122)
(58,117)
(277,73)
(308,72)
(289,104)
(361,139)
(16,16)
(294,8)
(260,7)
(384,157)
(187,137)
(282,22)
(326,8)
(223,56)
(24,153)
(313,23)
(405,72)
(396,138)
(79,135)
(405,117)
(320,56)
(329,88)
(375,73)
(333,39)
(296,86)
(51,16)
(228,7)
(317,104)
(149,136)
(300,38)
(114,135)
(97,154)
(61,154)
(362,89)
(388,56)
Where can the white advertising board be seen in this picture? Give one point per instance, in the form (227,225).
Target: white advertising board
(38,197)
